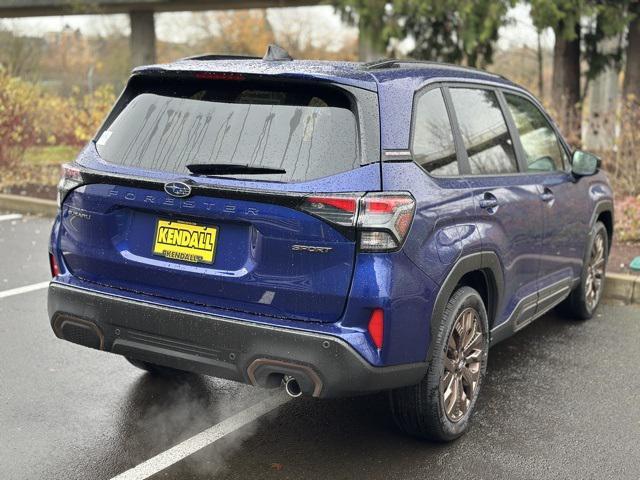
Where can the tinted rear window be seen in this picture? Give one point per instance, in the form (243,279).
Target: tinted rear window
(310,134)
(433,145)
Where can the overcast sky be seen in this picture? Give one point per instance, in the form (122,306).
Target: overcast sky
(323,19)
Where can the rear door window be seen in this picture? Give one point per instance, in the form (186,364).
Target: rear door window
(307,134)
(484,131)
(433,145)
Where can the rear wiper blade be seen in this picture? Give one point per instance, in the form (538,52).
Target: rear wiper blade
(230,168)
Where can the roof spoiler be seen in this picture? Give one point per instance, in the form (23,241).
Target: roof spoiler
(212,56)
(274,53)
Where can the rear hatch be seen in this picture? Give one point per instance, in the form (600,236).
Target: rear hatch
(227,192)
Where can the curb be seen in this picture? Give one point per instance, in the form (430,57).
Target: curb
(622,287)
(625,288)
(28,205)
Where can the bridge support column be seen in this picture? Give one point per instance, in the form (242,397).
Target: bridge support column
(143,38)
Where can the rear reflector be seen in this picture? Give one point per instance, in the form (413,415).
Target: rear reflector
(53,265)
(376,327)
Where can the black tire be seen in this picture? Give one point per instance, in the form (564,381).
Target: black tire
(576,306)
(157,370)
(419,410)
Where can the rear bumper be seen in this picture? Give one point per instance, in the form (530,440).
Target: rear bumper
(324,365)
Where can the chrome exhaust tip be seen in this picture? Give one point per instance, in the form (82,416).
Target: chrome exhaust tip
(295,378)
(292,387)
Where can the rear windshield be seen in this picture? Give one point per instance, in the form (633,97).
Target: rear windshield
(308,133)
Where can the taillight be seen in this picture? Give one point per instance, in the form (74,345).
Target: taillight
(376,327)
(70,178)
(341,209)
(53,265)
(384,220)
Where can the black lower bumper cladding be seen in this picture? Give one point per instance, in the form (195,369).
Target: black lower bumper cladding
(323,365)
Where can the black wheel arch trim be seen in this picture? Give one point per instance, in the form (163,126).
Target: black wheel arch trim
(485,262)
(603,206)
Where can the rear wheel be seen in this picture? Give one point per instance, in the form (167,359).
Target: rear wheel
(157,370)
(440,406)
(584,300)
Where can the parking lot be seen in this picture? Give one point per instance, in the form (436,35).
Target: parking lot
(560,401)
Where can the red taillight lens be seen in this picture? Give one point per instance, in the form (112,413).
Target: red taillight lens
(70,178)
(53,265)
(347,204)
(376,327)
(340,209)
(69,171)
(385,219)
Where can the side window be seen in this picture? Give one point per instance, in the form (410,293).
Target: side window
(539,141)
(484,131)
(433,146)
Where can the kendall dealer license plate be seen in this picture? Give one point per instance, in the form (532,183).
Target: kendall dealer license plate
(185,241)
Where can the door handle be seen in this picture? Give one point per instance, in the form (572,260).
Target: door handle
(489,201)
(547,195)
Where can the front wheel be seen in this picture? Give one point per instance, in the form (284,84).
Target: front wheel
(584,300)
(440,406)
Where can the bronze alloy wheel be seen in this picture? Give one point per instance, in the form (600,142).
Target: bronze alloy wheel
(440,407)
(462,365)
(595,272)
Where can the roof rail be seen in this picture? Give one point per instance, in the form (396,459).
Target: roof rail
(380,63)
(411,63)
(212,56)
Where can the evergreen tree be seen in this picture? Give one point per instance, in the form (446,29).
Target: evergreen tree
(458,31)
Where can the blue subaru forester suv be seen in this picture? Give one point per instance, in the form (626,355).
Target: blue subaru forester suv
(338,227)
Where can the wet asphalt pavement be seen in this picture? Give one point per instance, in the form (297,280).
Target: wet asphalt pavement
(560,401)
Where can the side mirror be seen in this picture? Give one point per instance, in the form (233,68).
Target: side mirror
(584,164)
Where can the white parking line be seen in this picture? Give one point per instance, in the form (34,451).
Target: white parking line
(203,439)
(10,216)
(27,288)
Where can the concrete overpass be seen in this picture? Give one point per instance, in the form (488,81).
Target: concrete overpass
(141,15)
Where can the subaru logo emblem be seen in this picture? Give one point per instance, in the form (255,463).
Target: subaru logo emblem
(177,189)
